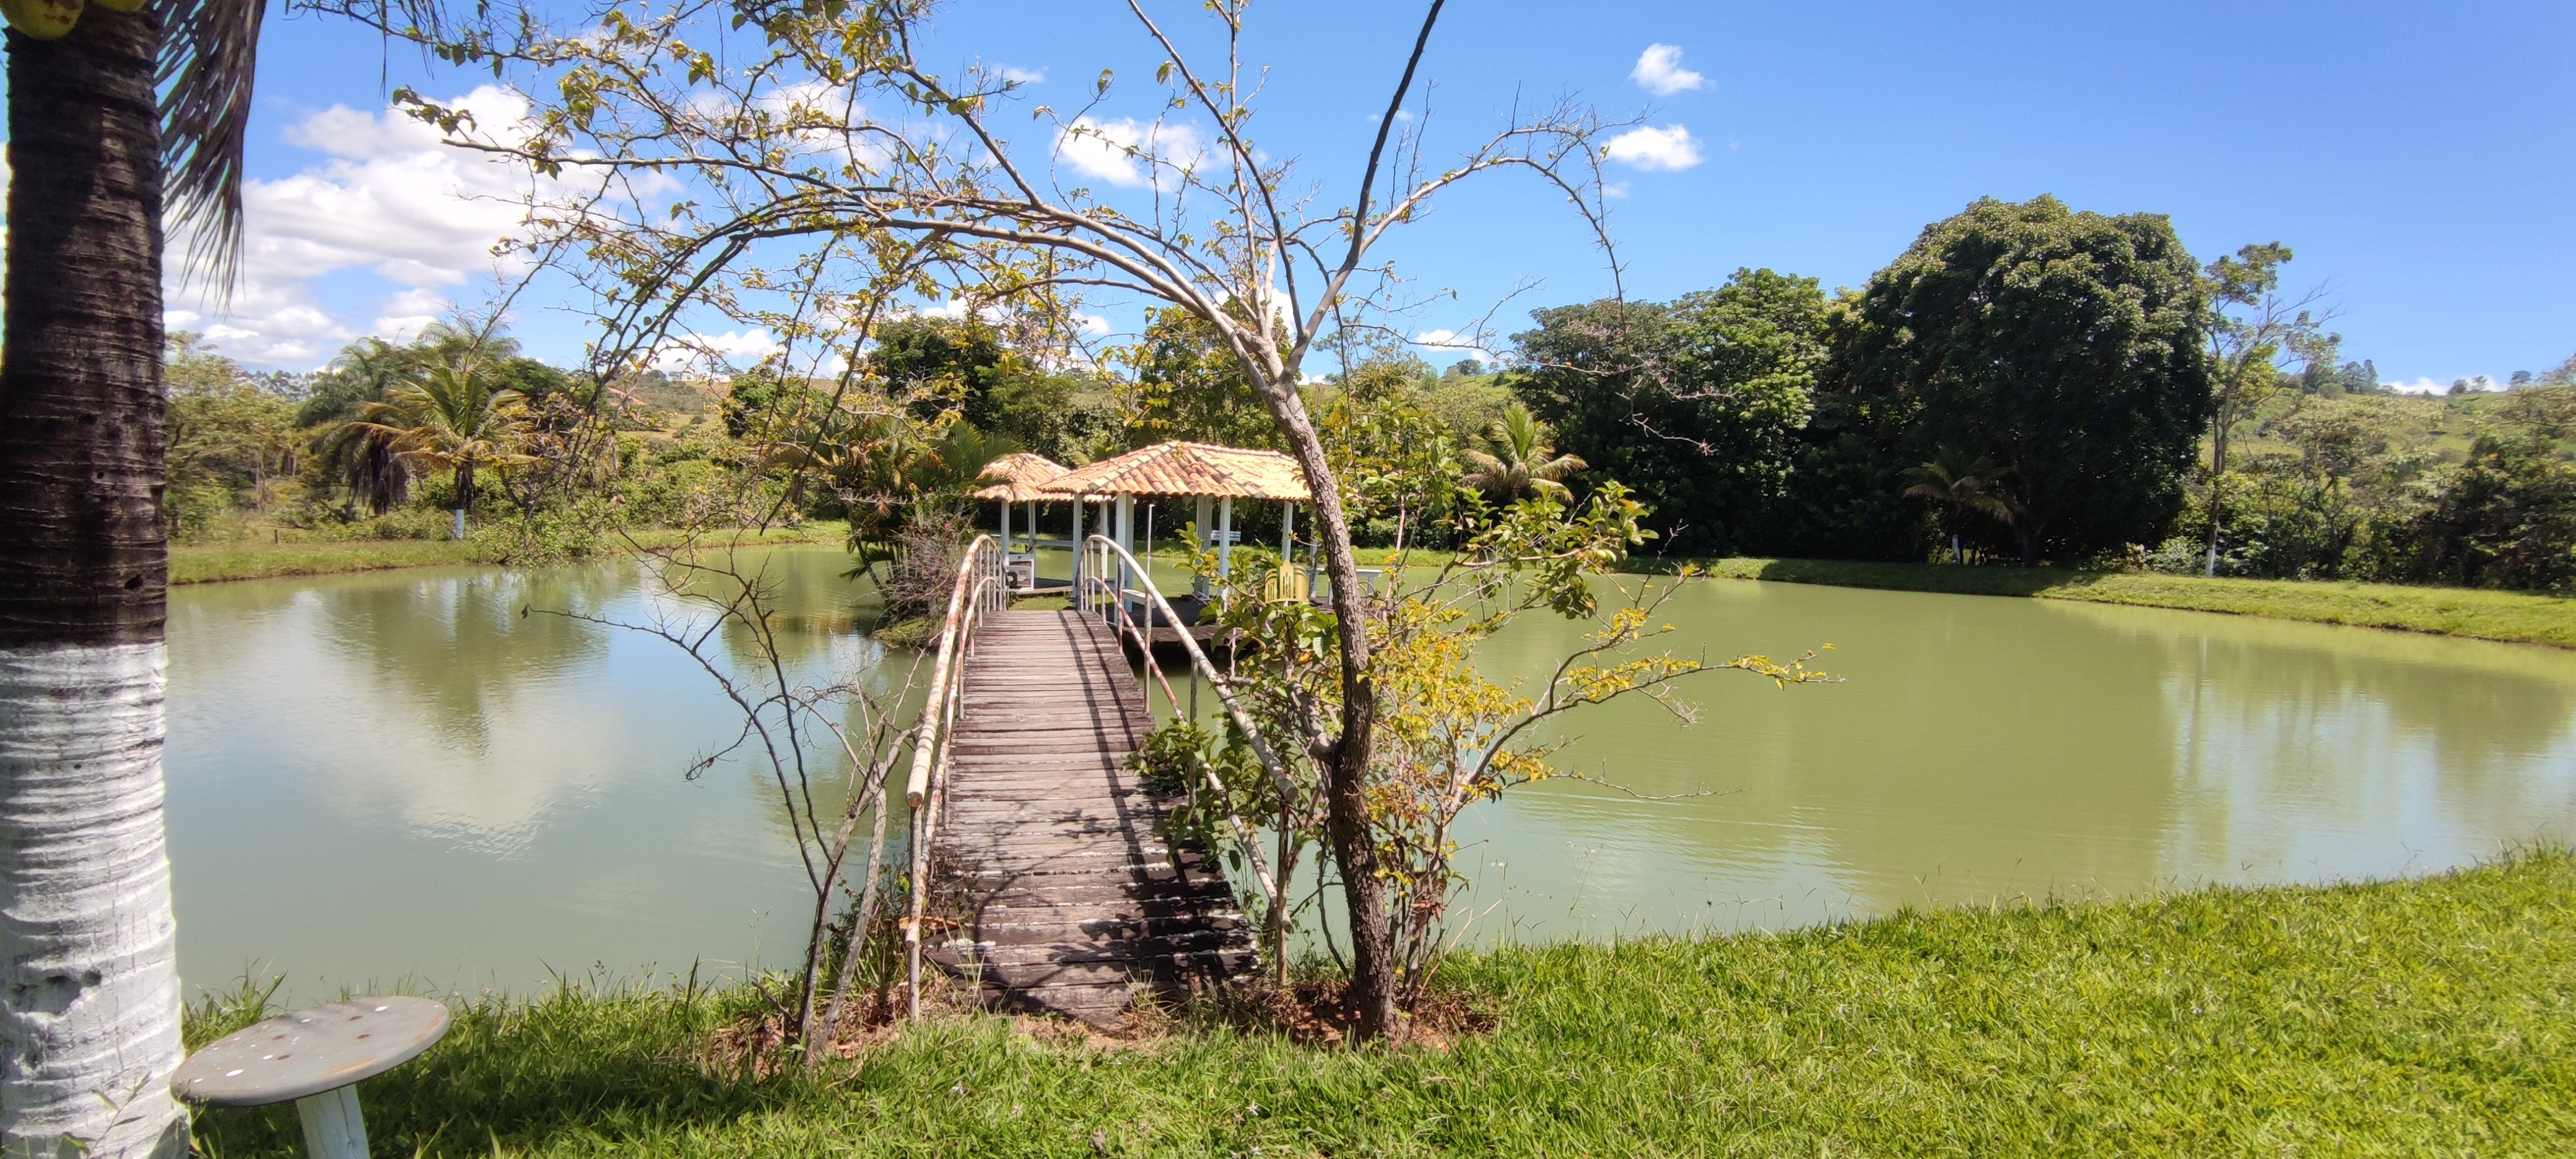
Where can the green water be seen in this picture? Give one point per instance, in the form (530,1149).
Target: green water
(400,775)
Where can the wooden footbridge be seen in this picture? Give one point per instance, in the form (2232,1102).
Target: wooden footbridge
(1042,877)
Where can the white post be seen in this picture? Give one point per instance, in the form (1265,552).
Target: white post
(1078,501)
(1200,525)
(1126,537)
(333,1128)
(1006,527)
(1288,549)
(1225,540)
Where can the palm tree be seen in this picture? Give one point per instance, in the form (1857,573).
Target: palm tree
(1962,484)
(91,1019)
(451,420)
(1521,461)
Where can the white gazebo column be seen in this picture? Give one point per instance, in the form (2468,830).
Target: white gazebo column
(1006,530)
(1199,526)
(1078,553)
(1225,542)
(1126,537)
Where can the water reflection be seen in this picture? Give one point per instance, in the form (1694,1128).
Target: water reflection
(1985,747)
(426,773)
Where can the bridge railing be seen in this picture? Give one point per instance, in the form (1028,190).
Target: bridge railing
(980,587)
(1105,590)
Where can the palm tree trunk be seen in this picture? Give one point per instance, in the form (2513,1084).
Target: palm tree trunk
(89,1012)
(464,494)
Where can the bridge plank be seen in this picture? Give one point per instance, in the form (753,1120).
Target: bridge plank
(1069,898)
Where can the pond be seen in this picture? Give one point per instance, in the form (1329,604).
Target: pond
(426,778)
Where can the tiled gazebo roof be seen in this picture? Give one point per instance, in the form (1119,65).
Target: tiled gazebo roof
(1179,468)
(1016,478)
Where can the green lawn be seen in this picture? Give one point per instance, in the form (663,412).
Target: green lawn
(2518,617)
(214,562)
(2426,1017)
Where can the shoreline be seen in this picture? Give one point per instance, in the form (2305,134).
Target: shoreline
(2465,613)
(2504,617)
(203,563)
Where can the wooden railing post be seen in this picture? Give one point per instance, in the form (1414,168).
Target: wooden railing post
(921,791)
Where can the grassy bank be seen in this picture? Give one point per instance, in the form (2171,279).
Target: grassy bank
(2516,617)
(2512,617)
(2426,1017)
(215,562)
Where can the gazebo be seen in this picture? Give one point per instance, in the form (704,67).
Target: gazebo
(1014,479)
(1204,472)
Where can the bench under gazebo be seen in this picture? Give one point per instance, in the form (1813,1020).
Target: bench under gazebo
(1012,480)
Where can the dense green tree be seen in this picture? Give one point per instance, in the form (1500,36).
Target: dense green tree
(2069,347)
(1189,385)
(934,365)
(231,437)
(1696,406)
(1067,416)
(2506,518)
(1399,465)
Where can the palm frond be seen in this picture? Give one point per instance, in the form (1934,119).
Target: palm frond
(207,58)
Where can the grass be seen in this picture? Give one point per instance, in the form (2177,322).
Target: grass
(217,562)
(2514,617)
(2435,1016)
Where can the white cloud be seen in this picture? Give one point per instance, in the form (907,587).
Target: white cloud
(390,200)
(1659,71)
(1647,147)
(1021,76)
(1455,342)
(1092,324)
(1121,152)
(2429,386)
(734,347)
(1614,190)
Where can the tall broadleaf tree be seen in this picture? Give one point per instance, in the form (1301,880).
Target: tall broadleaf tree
(2070,348)
(102,102)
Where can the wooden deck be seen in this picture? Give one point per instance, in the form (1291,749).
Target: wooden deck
(1069,900)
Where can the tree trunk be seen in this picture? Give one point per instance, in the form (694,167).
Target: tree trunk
(2217,481)
(89,1013)
(2026,528)
(1346,819)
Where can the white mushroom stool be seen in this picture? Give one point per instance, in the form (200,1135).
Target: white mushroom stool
(315,1057)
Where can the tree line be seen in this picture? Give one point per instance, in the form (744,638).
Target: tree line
(2025,383)
(2032,383)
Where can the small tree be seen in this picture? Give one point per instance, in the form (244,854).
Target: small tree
(1962,485)
(1450,736)
(2252,331)
(1518,462)
(452,420)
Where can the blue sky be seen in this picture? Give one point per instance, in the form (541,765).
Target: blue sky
(2416,157)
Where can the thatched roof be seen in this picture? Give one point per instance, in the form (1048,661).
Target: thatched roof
(1016,477)
(1179,468)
